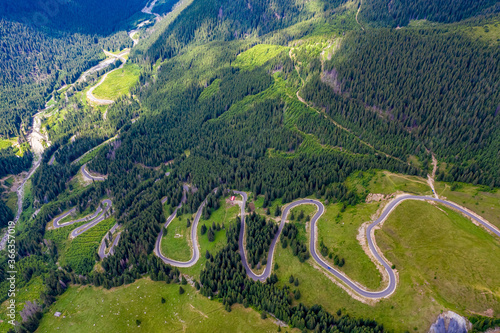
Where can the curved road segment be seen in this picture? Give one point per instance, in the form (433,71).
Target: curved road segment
(369,236)
(267,271)
(90,92)
(194,239)
(95,218)
(80,230)
(57,225)
(102,247)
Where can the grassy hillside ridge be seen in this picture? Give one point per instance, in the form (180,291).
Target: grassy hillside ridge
(480,199)
(257,56)
(338,231)
(90,309)
(176,242)
(468,284)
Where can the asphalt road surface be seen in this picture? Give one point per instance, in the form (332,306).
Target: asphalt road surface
(102,247)
(87,175)
(80,230)
(267,271)
(69,212)
(194,236)
(194,239)
(391,287)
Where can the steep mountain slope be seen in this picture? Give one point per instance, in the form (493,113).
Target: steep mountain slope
(75,16)
(400,12)
(283,100)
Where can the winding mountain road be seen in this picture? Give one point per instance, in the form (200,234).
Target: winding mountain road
(87,175)
(194,237)
(94,219)
(94,99)
(102,247)
(80,230)
(58,225)
(370,236)
(267,271)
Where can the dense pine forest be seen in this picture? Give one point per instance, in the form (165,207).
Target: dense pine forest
(34,62)
(10,163)
(278,98)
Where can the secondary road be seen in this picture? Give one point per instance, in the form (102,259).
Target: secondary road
(94,219)
(94,99)
(87,175)
(90,95)
(370,236)
(80,230)
(194,236)
(102,247)
(57,225)
(267,271)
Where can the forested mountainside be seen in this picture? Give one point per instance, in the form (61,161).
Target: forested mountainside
(47,45)
(11,164)
(280,99)
(90,17)
(164,6)
(400,12)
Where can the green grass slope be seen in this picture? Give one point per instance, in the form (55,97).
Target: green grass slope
(423,242)
(481,200)
(224,215)
(90,309)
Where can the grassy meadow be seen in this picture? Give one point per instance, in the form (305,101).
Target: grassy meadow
(118,82)
(176,242)
(89,309)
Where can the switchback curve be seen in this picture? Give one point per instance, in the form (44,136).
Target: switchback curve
(194,237)
(102,247)
(370,236)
